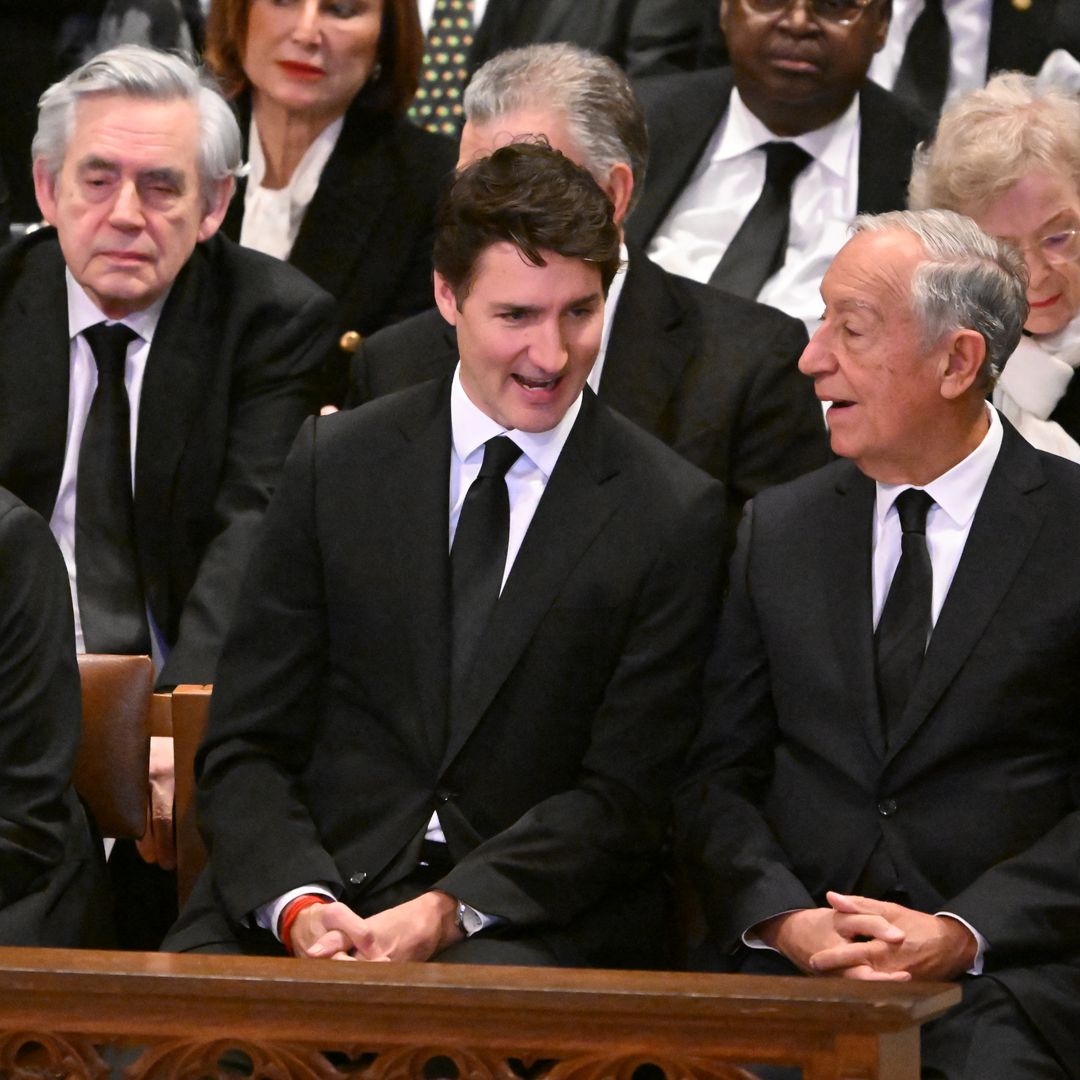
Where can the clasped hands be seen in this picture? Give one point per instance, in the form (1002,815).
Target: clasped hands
(860,938)
(415,930)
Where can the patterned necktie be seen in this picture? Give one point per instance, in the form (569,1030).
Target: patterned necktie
(478,555)
(757,250)
(111,606)
(445,70)
(904,627)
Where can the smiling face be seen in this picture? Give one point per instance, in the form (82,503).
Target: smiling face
(797,74)
(527,335)
(889,413)
(311,57)
(1041,205)
(127,203)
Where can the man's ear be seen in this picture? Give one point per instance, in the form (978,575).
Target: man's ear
(220,193)
(965,351)
(445,300)
(619,188)
(45,191)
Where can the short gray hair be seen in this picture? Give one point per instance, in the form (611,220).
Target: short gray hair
(969,281)
(591,92)
(136,71)
(990,139)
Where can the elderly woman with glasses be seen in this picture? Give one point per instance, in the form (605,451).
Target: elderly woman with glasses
(1009,157)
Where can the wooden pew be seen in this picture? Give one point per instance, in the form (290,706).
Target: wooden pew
(72,1012)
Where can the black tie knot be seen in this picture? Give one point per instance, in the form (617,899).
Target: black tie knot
(913,505)
(783,163)
(499,454)
(109,345)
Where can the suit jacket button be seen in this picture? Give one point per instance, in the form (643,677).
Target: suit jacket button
(350,341)
(358,878)
(887,807)
(444,796)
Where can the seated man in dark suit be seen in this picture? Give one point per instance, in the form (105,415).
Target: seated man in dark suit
(152,374)
(757,170)
(886,784)
(711,374)
(52,872)
(451,707)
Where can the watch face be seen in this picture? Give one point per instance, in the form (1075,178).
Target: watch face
(469,919)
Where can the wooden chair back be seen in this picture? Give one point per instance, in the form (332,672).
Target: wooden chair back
(112,768)
(190,709)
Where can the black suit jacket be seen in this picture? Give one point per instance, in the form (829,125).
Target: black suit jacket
(329,743)
(367,234)
(646,37)
(231,374)
(683,111)
(977,797)
(52,871)
(1020,40)
(712,375)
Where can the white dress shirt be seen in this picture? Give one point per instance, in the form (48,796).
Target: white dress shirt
(272,216)
(726,183)
(82,314)
(526,482)
(969,30)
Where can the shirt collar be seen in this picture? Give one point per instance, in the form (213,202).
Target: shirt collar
(471,427)
(84,313)
(833,145)
(959,490)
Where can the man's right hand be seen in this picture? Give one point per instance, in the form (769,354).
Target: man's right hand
(333,931)
(798,935)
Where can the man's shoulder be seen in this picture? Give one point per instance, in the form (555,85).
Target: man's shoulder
(890,118)
(695,87)
(34,256)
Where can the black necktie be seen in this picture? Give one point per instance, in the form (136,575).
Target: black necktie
(111,606)
(757,250)
(478,555)
(924,70)
(444,72)
(904,626)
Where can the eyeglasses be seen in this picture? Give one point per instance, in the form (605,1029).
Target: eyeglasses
(1059,247)
(835,12)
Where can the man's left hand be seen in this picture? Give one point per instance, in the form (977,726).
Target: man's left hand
(933,946)
(417,929)
(158,843)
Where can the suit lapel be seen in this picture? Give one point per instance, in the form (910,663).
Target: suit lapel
(417,506)
(848,596)
(580,497)
(1002,532)
(36,384)
(648,350)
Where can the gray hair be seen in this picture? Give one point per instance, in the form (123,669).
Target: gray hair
(990,139)
(969,281)
(591,92)
(136,71)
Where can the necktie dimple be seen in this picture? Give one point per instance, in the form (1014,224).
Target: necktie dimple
(757,250)
(923,76)
(904,627)
(478,554)
(111,606)
(445,69)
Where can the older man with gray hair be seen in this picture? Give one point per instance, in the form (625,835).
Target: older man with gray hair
(709,373)
(152,374)
(885,786)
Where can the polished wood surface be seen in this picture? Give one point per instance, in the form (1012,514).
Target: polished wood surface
(70,1012)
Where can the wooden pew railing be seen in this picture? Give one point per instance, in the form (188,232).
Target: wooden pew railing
(158,1017)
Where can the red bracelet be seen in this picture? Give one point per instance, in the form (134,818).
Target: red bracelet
(288,917)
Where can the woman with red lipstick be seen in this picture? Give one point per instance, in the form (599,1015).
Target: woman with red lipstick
(340,183)
(1009,157)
